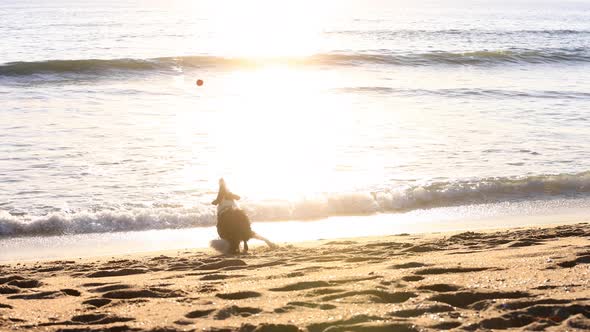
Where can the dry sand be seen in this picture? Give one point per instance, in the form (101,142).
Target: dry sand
(516,279)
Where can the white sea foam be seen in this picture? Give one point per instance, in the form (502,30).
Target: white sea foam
(437,194)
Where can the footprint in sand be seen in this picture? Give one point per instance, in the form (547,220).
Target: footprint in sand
(525,243)
(141,293)
(363,259)
(578,322)
(374,296)
(421,248)
(38,296)
(4,289)
(51,269)
(25,283)
(4,280)
(71,292)
(301,286)
(312,305)
(96,284)
(388,245)
(324,291)
(210,288)
(199,313)
(236,311)
(108,288)
(288,275)
(266,327)
(538,317)
(408,265)
(116,273)
(221,276)
(267,264)
(97,303)
(440,288)
(339,243)
(585,259)
(239,295)
(293,305)
(224,264)
(445,326)
(421,310)
(361,323)
(464,299)
(91,319)
(412,278)
(320,283)
(436,270)
(99,319)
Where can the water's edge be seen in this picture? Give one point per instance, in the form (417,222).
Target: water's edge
(492,216)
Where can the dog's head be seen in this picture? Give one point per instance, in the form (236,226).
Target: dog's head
(224,193)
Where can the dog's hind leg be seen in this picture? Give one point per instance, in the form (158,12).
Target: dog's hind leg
(234,247)
(267,241)
(245,246)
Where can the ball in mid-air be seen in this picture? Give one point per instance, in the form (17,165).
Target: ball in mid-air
(200,82)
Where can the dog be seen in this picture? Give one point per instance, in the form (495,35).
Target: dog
(233,225)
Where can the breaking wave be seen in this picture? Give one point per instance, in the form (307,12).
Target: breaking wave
(170,64)
(438,194)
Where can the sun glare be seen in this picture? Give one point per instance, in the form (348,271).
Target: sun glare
(276,133)
(283,128)
(266,29)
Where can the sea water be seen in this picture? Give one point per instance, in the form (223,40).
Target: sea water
(309,110)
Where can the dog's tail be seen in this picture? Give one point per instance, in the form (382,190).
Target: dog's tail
(220,245)
(267,241)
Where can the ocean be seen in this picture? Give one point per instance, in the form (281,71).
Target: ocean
(356,113)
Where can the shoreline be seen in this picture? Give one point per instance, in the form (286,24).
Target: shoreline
(496,279)
(439,220)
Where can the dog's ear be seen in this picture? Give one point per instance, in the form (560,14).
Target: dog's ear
(221,193)
(233,196)
(222,185)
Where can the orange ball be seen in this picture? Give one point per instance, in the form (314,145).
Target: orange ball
(200,82)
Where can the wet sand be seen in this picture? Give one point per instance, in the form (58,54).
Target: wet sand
(528,278)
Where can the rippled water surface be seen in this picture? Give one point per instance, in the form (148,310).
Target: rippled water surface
(308,110)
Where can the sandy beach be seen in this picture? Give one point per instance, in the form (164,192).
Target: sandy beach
(525,278)
(423,165)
